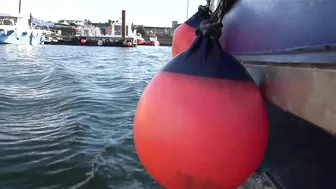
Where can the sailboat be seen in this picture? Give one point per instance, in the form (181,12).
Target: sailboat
(21,29)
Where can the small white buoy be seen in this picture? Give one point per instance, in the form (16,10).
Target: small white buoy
(100,42)
(17,33)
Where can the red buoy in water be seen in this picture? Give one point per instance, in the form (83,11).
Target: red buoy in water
(83,41)
(201,122)
(184,35)
(129,44)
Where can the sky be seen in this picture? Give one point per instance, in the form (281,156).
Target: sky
(146,12)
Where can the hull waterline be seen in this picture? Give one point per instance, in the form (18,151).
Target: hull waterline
(26,38)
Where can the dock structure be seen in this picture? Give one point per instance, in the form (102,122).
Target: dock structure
(117,35)
(105,41)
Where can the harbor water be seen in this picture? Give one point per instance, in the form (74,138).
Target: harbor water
(66,115)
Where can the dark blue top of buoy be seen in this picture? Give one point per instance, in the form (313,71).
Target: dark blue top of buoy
(206,58)
(197,18)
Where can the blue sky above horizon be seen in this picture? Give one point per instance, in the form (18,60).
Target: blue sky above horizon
(147,12)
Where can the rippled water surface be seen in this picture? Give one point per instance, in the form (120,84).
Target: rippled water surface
(66,115)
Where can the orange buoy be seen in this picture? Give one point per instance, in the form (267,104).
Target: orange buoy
(184,35)
(201,122)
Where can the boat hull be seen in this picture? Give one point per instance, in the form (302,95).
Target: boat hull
(140,41)
(25,38)
(270,36)
(258,26)
(288,47)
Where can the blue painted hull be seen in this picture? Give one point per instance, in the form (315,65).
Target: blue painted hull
(26,38)
(271,25)
(288,46)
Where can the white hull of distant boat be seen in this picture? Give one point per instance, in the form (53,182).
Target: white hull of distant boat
(20,29)
(16,35)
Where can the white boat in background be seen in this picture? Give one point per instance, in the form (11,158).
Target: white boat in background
(21,29)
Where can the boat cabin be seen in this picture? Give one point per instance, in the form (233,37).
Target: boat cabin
(116,30)
(13,20)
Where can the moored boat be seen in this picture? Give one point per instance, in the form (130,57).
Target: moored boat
(289,49)
(153,41)
(21,29)
(295,50)
(15,29)
(139,39)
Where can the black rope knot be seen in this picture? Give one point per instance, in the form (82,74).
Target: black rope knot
(209,28)
(203,8)
(213,27)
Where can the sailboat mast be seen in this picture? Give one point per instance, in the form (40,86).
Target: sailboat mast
(19,6)
(187,9)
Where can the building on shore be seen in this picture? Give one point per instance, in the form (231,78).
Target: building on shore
(77,28)
(160,31)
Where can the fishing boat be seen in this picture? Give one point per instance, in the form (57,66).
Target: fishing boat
(153,41)
(21,29)
(288,46)
(140,40)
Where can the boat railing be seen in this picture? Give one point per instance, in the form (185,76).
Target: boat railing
(8,21)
